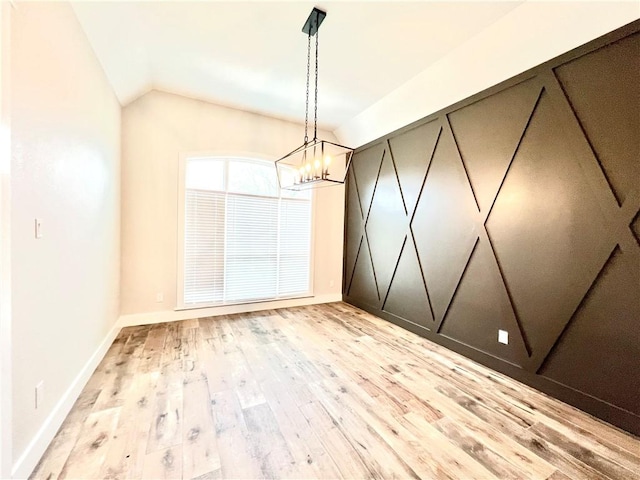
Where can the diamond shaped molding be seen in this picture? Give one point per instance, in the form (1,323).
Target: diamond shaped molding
(354,230)
(542,221)
(614,296)
(407,295)
(363,286)
(635,227)
(481,307)
(444,224)
(366,165)
(516,209)
(412,153)
(594,84)
(386,225)
(487,161)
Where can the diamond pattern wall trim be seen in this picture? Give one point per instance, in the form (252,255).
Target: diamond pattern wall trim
(517,209)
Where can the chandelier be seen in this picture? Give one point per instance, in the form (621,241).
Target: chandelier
(316,163)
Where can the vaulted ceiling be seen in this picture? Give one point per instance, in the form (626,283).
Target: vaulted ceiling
(252,55)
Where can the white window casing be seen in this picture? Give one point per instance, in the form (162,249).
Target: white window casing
(240,239)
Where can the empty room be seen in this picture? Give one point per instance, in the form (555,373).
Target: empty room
(332,240)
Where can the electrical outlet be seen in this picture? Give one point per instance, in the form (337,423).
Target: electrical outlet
(39,398)
(503,337)
(38,226)
(160,297)
(331,283)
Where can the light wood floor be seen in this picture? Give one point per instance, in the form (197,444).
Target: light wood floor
(318,392)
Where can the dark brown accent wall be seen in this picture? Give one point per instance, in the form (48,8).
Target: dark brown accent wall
(516,209)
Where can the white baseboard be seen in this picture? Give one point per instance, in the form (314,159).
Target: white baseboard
(29,459)
(174,315)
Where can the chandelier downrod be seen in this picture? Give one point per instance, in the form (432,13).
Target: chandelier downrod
(311,26)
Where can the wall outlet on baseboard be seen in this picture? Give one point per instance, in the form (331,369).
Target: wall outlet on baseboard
(503,337)
(39,394)
(160,297)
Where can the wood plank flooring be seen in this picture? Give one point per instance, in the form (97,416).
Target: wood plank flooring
(325,391)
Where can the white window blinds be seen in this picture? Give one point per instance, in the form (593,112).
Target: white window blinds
(243,241)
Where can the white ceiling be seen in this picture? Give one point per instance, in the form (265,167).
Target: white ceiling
(252,55)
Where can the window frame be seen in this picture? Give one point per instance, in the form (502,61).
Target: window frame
(182,190)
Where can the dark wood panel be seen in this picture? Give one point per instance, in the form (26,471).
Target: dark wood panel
(363,285)
(481,307)
(444,224)
(635,227)
(408,295)
(607,104)
(412,152)
(526,207)
(386,225)
(547,230)
(365,167)
(354,230)
(591,358)
(488,133)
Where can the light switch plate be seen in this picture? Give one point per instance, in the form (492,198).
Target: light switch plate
(38,227)
(503,337)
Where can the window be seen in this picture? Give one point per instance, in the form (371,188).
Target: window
(242,238)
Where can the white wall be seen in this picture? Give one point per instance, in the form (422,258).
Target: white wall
(156,129)
(529,35)
(65,169)
(5,241)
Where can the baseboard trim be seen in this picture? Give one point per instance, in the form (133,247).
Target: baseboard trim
(27,462)
(149,318)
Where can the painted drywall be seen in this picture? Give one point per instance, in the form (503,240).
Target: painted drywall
(65,170)
(156,129)
(532,33)
(5,242)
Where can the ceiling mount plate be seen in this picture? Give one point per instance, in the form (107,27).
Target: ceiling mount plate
(314,21)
